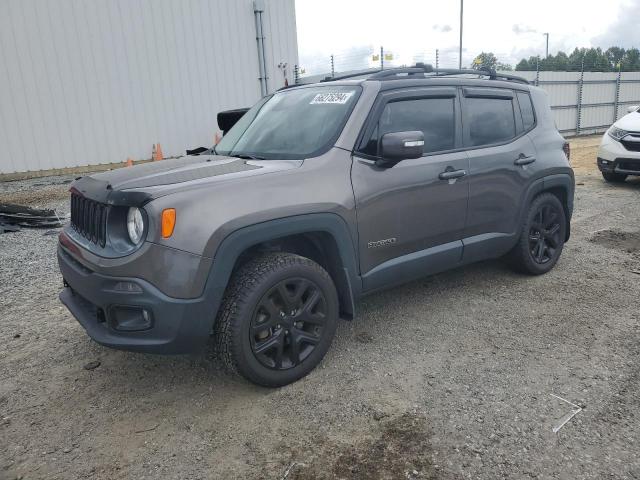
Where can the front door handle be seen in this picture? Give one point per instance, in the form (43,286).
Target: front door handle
(450,174)
(524,160)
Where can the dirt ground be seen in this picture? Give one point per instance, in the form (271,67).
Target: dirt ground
(450,377)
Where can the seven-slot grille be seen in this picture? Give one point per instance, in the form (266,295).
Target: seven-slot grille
(89,219)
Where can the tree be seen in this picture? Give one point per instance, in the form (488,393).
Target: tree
(505,67)
(485,60)
(615,56)
(593,59)
(631,60)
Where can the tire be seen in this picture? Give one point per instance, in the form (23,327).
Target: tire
(277,319)
(542,236)
(614,177)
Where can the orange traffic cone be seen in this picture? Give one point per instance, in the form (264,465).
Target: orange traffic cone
(129,162)
(157,152)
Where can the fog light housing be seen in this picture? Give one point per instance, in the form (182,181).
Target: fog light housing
(130,319)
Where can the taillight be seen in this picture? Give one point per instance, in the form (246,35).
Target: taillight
(566,148)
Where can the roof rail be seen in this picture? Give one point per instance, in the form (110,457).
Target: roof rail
(393,72)
(420,69)
(488,72)
(351,75)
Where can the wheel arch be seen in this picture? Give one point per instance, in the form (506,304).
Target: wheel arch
(562,185)
(323,237)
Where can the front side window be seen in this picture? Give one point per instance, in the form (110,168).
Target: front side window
(434,117)
(489,120)
(291,124)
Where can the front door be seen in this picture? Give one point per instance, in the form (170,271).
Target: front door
(417,207)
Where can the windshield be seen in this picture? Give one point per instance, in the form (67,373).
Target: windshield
(291,124)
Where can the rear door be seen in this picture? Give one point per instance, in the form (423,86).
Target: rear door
(500,162)
(411,206)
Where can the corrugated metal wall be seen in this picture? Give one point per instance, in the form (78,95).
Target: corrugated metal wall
(588,105)
(86,82)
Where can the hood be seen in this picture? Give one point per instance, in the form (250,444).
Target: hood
(141,183)
(630,122)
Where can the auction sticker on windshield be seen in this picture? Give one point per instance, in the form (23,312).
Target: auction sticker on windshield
(339,98)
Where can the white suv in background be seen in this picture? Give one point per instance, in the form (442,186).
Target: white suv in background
(619,152)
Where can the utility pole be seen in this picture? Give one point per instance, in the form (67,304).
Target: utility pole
(460,52)
(547,49)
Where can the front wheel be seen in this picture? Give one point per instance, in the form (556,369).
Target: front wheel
(542,236)
(614,177)
(277,320)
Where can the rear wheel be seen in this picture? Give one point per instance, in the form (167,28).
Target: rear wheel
(542,236)
(614,177)
(277,320)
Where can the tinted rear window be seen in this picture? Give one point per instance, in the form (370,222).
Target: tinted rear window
(526,108)
(489,120)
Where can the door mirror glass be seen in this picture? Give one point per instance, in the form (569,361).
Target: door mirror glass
(632,108)
(398,146)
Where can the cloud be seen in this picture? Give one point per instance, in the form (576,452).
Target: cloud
(624,31)
(442,28)
(520,28)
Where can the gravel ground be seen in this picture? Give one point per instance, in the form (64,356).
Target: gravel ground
(448,377)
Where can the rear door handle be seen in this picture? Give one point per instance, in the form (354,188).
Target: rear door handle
(524,160)
(450,174)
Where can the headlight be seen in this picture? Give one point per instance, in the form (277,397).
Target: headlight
(617,133)
(135,225)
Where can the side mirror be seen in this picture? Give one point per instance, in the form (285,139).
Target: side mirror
(398,146)
(632,108)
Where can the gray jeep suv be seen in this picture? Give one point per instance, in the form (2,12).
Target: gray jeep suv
(319,194)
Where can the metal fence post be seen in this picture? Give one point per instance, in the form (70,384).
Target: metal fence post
(617,99)
(537,70)
(333,72)
(296,75)
(437,60)
(579,109)
(381,58)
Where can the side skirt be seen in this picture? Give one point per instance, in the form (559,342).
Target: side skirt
(437,259)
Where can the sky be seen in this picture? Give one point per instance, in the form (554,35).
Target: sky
(412,30)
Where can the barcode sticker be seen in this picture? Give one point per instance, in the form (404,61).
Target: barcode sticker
(339,98)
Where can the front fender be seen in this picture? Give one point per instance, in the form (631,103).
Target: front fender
(232,246)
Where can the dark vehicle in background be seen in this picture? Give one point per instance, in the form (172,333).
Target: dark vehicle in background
(318,195)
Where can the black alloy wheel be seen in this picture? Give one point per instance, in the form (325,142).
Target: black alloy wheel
(544,234)
(277,320)
(288,323)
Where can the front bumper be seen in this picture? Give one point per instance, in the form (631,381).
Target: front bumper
(177,325)
(614,158)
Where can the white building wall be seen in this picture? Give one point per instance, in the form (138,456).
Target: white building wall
(86,82)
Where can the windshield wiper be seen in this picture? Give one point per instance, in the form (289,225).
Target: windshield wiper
(246,156)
